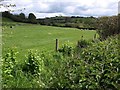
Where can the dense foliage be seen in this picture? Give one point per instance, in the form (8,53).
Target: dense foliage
(20,18)
(96,67)
(108,26)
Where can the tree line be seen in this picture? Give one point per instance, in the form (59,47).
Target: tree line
(60,21)
(106,26)
(21,17)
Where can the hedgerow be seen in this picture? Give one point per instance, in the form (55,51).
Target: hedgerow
(98,67)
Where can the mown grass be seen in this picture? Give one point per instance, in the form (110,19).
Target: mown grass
(37,37)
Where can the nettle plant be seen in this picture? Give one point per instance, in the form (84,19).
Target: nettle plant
(32,63)
(9,63)
(9,67)
(66,49)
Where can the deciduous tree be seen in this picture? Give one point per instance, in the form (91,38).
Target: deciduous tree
(108,26)
(32,18)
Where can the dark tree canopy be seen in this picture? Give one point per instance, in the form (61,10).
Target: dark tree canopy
(108,26)
(31,16)
(22,15)
(6,14)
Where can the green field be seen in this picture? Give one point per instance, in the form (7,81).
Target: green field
(37,37)
(93,65)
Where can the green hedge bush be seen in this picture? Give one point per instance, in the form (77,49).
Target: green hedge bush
(97,68)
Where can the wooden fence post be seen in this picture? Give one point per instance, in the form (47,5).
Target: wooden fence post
(94,36)
(56,47)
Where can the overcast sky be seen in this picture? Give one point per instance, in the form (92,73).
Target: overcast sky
(49,8)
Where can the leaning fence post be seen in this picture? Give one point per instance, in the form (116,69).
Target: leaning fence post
(56,46)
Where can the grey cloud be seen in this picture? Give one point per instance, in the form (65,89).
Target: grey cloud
(57,7)
(60,7)
(83,8)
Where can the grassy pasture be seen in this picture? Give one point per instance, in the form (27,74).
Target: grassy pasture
(37,37)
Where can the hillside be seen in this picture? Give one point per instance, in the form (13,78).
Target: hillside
(38,37)
(88,23)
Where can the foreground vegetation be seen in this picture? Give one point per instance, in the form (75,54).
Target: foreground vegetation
(95,67)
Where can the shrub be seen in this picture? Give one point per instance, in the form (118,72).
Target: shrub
(83,43)
(31,64)
(102,60)
(66,50)
(13,75)
(9,67)
(108,26)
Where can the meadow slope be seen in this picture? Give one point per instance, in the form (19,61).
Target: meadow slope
(37,37)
